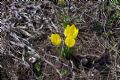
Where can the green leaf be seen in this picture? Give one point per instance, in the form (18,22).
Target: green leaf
(116,15)
(61,2)
(65,21)
(66,53)
(64,71)
(37,66)
(114,2)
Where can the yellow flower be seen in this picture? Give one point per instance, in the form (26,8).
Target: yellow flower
(71,31)
(55,39)
(70,42)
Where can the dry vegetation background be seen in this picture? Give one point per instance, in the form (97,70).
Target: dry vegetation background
(26,52)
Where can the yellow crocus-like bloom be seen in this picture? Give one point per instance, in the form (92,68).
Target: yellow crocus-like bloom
(55,39)
(71,31)
(70,42)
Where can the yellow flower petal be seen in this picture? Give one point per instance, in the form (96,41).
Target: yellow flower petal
(67,30)
(55,39)
(71,31)
(75,34)
(70,42)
